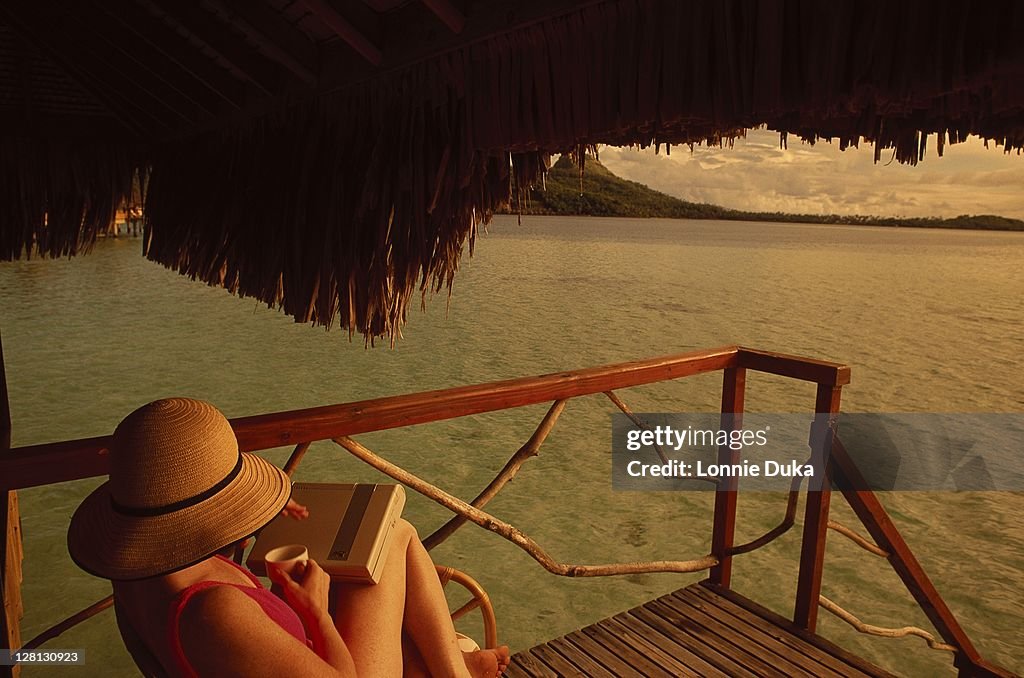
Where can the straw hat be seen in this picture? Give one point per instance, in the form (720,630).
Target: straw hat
(179,491)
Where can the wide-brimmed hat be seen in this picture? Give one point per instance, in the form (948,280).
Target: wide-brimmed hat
(179,491)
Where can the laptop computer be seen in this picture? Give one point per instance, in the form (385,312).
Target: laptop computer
(348,531)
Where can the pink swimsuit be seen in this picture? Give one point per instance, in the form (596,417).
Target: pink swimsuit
(274,607)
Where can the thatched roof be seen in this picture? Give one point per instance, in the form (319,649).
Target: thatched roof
(334,157)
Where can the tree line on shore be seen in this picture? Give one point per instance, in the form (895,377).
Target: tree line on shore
(604,194)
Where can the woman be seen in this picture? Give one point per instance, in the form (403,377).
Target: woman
(179,492)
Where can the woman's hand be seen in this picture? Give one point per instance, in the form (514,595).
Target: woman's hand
(295,510)
(306,593)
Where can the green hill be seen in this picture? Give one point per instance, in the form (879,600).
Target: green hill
(606,195)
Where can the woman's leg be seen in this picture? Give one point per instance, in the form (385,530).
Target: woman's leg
(421,601)
(370,618)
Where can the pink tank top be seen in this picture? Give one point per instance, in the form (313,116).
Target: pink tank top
(274,607)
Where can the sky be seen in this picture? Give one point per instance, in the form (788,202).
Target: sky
(757,175)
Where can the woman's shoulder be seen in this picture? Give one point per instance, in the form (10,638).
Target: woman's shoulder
(218,615)
(216,601)
(224,632)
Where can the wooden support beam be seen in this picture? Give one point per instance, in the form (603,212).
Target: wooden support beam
(66,126)
(812,549)
(448,13)
(344,29)
(244,17)
(879,525)
(56,35)
(100,54)
(406,38)
(11,550)
(115,36)
(21,49)
(795,367)
(26,21)
(168,47)
(734,382)
(241,57)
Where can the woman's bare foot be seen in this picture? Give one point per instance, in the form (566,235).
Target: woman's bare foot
(487,663)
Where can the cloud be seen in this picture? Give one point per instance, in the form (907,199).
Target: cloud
(756,174)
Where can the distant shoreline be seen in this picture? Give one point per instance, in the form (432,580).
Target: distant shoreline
(777,222)
(944,224)
(607,195)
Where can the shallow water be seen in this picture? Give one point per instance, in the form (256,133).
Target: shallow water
(929,321)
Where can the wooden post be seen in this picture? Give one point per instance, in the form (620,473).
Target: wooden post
(10,553)
(879,525)
(812,549)
(734,382)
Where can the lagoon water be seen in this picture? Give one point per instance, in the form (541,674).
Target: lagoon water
(930,321)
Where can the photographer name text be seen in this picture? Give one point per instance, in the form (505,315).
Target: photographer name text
(697,469)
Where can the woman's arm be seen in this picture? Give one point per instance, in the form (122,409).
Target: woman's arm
(308,596)
(224,632)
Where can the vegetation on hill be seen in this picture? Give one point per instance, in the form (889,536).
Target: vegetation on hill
(606,195)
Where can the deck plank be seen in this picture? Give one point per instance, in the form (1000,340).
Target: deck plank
(600,653)
(587,666)
(669,661)
(515,670)
(630,655)
(525,664)
(694,625)
(769,635)
(764,661)
(721,663)
(695,631)
(855,665)
(556,662)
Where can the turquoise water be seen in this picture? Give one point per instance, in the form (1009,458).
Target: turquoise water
(928,320)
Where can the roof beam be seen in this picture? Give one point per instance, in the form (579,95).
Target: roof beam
(155,81)
(166,44)
(27,23)
(408,37)
(274,35)
(24,79)
(344,30)
(102,55)
(242,58)
(153,70)
(448,13)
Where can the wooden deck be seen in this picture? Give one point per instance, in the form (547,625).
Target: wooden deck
(695,631)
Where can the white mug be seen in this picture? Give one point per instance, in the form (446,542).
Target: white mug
(286,559)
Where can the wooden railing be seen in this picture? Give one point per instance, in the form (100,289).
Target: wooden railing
(57,462)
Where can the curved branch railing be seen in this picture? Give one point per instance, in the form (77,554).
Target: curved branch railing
(507,473)
(512,533)
(881,631)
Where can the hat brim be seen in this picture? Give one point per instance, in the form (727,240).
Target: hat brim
(116,546)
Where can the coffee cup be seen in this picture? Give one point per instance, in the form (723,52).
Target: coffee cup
(286,559)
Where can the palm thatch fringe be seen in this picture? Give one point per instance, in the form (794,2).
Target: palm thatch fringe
(345,206)
(56,196)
